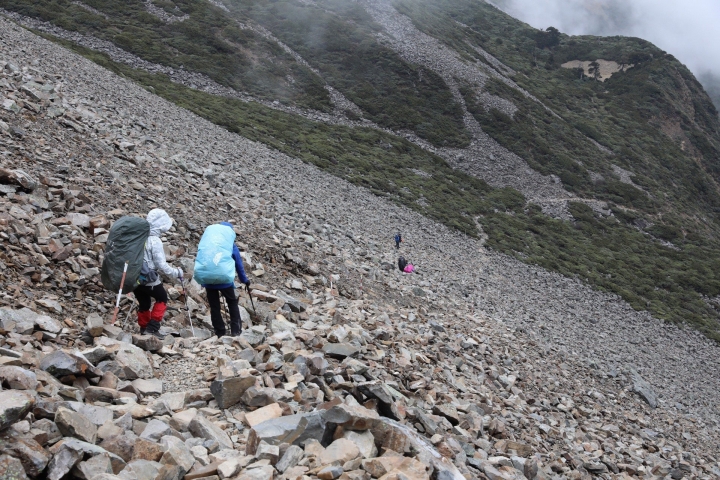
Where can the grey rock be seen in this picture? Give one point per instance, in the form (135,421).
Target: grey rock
(61,364)
(62,462)
(148,343)
(31,454)
(176,453)
(133,361)
(153,386)
(204,428)
(11,468)
(95,324)
(291,429)
(18,378)
(155,430)
(96,354)
(229,391)
(14,405)
(73,424)
(644,389)
(340,350)
(143,469)
(93,467)
(47,324)
(290,458)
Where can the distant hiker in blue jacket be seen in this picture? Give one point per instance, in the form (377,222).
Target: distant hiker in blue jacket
(398,239)
(228,291)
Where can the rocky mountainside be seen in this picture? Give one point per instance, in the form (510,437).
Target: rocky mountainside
(478,367)
(606,173)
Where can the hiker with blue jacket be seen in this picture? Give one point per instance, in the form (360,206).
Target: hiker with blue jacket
(214,271)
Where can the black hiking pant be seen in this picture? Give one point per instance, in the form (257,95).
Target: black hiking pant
(145,295)
(213,296)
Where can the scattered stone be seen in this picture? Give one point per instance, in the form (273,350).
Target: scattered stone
(14,405)
(229,391)
(73,424)
(263,414)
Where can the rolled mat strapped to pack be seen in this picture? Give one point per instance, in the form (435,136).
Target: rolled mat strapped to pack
(125,243)
(214,264)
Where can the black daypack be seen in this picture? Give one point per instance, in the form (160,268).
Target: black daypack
(125,243)
(402,263)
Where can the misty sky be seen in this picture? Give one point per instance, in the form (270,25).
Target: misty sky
(687,29)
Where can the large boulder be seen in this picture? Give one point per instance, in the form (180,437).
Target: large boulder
(33,456)
(73,424)
(204,428)
(291,429)
(340,451)
(61,364)
(47,324)
(352,417)
(229,391)
(18,378)
(133,361)
(11,468)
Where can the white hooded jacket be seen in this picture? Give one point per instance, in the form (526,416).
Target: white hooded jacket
(160,222)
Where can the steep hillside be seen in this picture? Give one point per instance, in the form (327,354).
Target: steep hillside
(351,369)
(459,112)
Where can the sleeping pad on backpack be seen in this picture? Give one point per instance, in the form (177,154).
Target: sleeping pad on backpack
(125,243)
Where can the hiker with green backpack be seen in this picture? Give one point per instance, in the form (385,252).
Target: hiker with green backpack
(218,260)
(132,259)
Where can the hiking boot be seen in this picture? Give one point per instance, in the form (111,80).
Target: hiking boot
(143,331)
(153,328)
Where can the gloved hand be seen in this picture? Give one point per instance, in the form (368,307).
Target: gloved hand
(180,274)
(247,286)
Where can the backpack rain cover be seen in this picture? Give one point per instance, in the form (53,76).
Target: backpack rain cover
(125,243)
(214,264)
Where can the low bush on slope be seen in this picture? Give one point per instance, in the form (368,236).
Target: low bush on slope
(207,42)
(653,120)
(605,252)
(339,40)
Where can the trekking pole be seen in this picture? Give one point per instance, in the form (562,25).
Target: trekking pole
(132,307)
(251,300)
(227,311)
(187,309)
(117,302)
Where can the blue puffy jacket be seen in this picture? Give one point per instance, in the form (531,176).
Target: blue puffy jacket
(239,268)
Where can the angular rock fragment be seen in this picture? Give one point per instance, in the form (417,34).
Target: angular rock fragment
(644,389)
(14,405)
(340,350)
(95,324)
(11,468)
(204,428)
(290,458)
(72,424)
(352,417)
(229,391)
(61,364)
(18,378)
(292,429)
(31,454)
(260,415)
